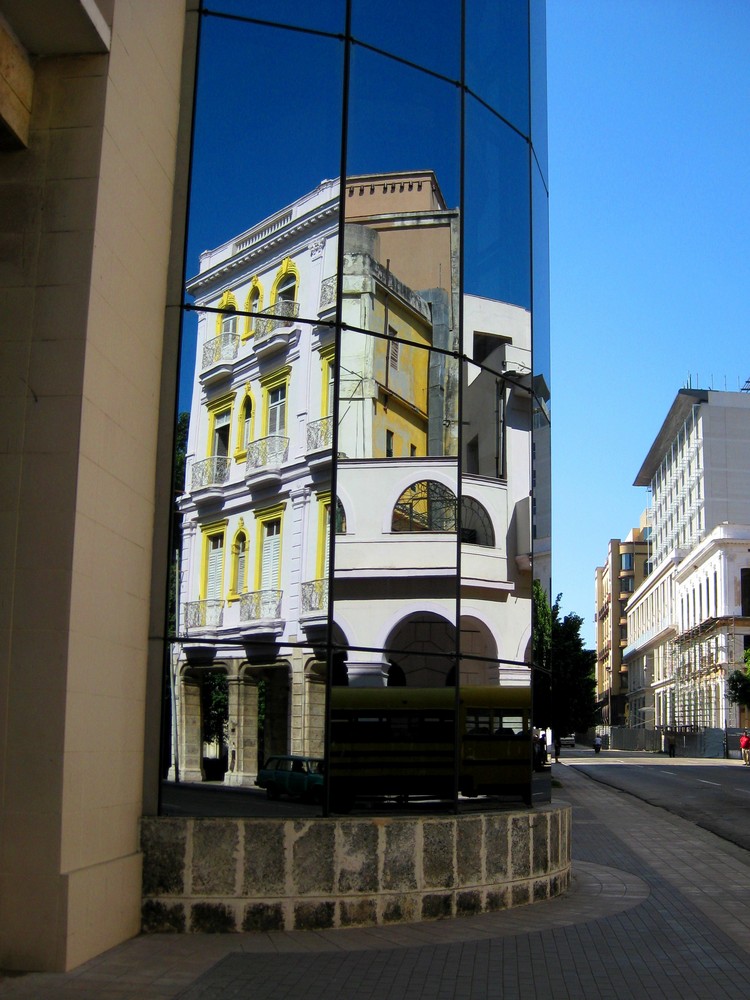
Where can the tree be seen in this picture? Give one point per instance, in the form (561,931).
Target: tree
(738,684)
(566,701)
(541,644)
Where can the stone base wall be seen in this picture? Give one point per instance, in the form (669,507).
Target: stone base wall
(223,875)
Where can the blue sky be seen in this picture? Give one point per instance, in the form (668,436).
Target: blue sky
(649,135)
(649,119)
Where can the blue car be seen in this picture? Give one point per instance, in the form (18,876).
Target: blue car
(297,777)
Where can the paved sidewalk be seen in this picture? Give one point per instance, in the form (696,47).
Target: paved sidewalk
(653,913)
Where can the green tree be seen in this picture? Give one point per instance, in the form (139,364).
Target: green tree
(738,684)
(565,701)
(541,645)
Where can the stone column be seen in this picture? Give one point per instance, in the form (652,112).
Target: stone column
(191,730)
(366,669)
(315,704)
(243,731)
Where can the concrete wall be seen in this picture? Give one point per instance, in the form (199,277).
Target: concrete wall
(219,875)
(86,216)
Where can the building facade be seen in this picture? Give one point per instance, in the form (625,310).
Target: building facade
(623,572)
(256,513)
(688,623)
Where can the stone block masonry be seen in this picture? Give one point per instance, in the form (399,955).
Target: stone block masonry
(231,875)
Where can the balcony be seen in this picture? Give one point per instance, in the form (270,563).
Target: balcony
(319,441)
(265,458)
(218,357)
(314,609)
(273,328)
(327,296)
(203,614)
(208,477)
(260,613)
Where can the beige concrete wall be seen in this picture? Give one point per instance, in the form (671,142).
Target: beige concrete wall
(84,247)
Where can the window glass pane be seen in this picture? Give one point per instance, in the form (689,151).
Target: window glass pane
(497,210)
(328,16)
(497,57)
(402,120)
(421,31)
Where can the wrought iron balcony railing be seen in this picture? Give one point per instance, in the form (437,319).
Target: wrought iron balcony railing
(213,471)
(204,614)
(327,293)
(221,348)
(261,604)
(320,434)
(267,451)
(275,316)
(314,596)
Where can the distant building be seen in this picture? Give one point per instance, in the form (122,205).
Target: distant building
(622,573)
(689,622)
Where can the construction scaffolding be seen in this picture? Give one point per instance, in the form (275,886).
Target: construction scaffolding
(702,657)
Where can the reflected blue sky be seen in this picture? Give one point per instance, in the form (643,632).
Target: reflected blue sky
(268,123)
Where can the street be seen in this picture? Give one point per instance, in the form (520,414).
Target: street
(713,794)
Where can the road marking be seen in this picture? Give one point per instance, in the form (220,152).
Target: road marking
(704,782)
(672,773)
(745,790)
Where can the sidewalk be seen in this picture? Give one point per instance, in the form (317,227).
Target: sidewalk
(653,912)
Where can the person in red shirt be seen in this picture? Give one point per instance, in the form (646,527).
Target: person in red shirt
(745,747)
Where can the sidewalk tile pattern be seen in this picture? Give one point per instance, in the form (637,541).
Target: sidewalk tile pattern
(651,914)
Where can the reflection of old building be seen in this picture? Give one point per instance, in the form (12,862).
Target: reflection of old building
(258,492)
(689,621)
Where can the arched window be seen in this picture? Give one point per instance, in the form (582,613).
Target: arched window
(245,429)
(285,284)
(226,320)
(340,528)
(229,322)
(239,563)
(476,526)
(425,506)
(254,304)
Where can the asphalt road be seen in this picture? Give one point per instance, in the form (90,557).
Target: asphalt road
(713,794)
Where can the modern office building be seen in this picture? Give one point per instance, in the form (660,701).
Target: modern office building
(689,622)
(615,582)
(96,101)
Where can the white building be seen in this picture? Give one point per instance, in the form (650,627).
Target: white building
(256,552)
(689,622)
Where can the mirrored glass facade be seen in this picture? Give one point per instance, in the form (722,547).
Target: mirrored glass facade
(362,472)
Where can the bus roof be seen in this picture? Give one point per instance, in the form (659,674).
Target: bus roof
(404,697)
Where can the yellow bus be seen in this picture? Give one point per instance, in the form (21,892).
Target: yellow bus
(404,742)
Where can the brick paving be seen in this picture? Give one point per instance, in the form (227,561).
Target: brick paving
(652,913)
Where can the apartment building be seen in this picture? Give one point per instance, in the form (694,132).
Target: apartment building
(623,571)
(689,621)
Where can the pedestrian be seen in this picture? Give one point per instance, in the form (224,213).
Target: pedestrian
(671,744)
(558,744)
(745,747)
(597,743)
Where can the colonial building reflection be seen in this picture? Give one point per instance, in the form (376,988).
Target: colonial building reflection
(257,505)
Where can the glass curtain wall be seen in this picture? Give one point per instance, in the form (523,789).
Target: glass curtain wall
(354,520)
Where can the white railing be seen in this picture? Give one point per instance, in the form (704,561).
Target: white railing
(314,596)
(221,348)
(267,451)
(275,316)
(259,605)
(204,614)
(213,471)
(320,434)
